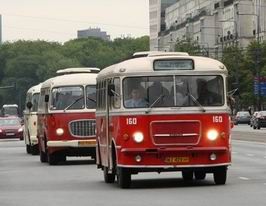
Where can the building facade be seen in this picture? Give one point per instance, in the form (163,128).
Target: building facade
(93,32)
(213,24)
(157,20)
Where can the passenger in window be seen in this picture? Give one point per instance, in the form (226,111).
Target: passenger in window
(136,99)
(154,92)
(181,96)
(207,97)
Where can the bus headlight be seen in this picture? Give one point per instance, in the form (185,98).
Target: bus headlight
(59,131)
(138,137)
(212,135)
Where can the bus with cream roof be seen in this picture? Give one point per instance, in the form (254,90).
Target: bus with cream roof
(163,112)
(30,119)
(66,115)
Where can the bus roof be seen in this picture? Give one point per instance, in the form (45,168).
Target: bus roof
(142,65)
(158,53)
(35,89)
(71,79)
(78,70)
(10,105)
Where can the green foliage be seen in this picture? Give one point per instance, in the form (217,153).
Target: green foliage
(243,67)
(188,45)
(27,63)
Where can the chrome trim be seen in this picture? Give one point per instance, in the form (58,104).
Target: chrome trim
(176,135)
(91,129)
(151,134)
(173,166)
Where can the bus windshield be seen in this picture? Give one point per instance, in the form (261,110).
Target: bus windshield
(91,96)
(69,97)
(173,91)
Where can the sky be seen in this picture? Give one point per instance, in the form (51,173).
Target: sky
(59,20)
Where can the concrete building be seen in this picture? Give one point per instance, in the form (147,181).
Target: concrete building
(157,19)
(93,32)
(214,24)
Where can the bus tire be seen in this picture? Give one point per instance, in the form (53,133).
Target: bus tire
(187,175)
(220,175)
(53,159)
(108,177)
(123,177)
(34,149)
(43,156)
(28,149)
(200,175)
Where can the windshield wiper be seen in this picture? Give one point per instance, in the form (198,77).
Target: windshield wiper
(93,100)
(155,101)
(196,102)
(73,103)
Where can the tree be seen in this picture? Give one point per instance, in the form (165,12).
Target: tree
(190,46)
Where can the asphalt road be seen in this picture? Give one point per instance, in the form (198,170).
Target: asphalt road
(24,181)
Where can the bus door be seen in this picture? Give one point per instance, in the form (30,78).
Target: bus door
(112,102)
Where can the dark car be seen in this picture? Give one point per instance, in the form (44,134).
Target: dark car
(260,120)
(11,127)
(242,117)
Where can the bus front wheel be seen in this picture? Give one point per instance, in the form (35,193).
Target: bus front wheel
(108,177)
(28,149)
(123,177)
(220,175)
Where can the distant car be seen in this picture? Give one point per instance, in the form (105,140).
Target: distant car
(242,117)
(260,120)
(11,127)
(252,118)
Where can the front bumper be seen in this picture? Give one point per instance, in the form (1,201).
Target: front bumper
(33,140)
(173,158)
(72,143)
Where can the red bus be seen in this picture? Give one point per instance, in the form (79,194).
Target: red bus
(163,112)
(66,115)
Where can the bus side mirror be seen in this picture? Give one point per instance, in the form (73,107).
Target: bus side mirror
(111,89)
(46,98)
(29,105)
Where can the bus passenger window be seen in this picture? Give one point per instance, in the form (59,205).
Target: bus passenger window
(116,100)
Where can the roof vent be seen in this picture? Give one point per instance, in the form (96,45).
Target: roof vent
(77,70)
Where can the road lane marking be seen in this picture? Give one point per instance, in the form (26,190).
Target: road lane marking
(243,178)
(250,155)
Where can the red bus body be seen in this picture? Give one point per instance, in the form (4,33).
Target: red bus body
(194,140)
(64,131)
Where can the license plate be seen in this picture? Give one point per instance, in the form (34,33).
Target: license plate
(10,134)
(86,143)
(176,160)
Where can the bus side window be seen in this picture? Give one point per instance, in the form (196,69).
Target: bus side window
(116,100)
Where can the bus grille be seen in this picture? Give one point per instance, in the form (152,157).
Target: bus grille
(83,128)
(176,132)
